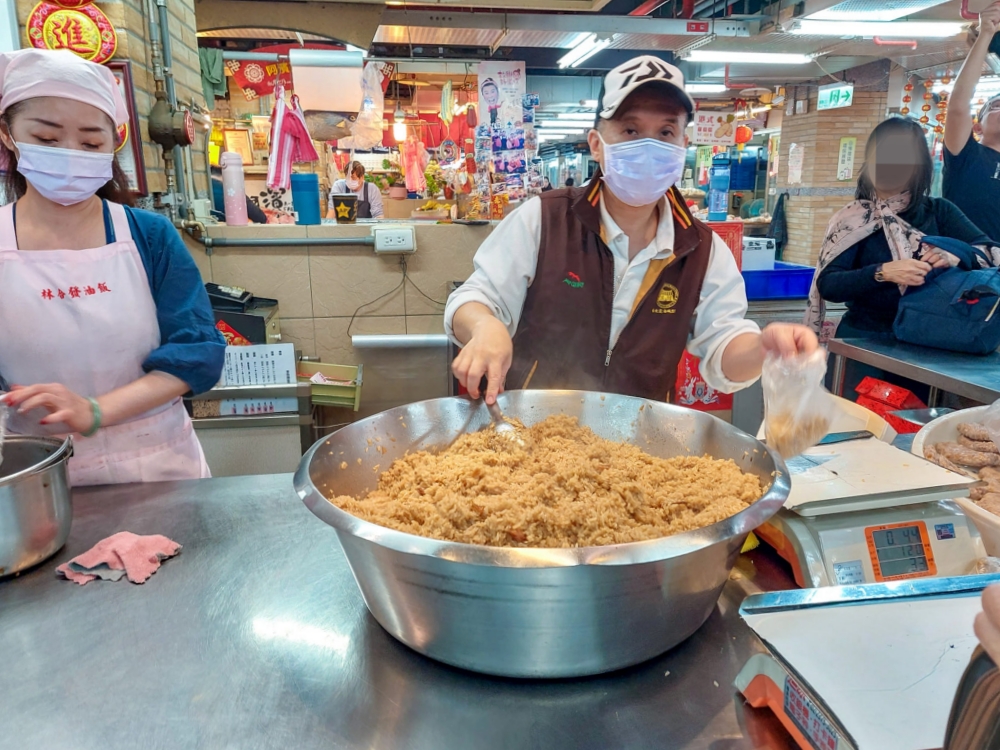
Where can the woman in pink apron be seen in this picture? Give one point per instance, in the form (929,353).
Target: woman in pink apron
(104,321)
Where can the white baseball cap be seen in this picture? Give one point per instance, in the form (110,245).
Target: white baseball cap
(639,71)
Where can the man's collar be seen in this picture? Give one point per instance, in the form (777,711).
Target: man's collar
(683,237)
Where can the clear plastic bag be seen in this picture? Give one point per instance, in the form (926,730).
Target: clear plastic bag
(985,565)
(798,410)
(991,421)
(366,131)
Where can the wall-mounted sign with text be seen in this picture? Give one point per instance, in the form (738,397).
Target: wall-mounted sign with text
(835,95)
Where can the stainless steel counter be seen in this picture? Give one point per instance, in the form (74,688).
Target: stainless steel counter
(256,636)
(967,375)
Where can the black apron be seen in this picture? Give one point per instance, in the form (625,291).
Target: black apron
(364,205)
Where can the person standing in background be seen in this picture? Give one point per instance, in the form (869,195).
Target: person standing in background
(971,167)
(369,197)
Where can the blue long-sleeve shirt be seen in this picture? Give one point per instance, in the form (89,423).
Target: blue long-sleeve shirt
(190,346)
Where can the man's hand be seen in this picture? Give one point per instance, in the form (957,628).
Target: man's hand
(987,625)
(744,355)
(489,352)
(788,339)
(63,406)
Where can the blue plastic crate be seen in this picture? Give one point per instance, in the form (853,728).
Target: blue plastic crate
(786,281)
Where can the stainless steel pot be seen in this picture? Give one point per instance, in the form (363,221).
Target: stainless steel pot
(35,508)
(537,612)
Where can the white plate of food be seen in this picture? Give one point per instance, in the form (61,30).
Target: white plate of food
(958,442)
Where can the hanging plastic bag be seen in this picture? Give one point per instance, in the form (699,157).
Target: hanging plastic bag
(798,410)
(991,421)
(447,105)
(366,130)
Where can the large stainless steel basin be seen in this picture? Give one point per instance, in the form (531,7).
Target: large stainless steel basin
(537,612)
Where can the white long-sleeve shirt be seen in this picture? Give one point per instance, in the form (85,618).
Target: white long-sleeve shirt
(371,192)
(505,267)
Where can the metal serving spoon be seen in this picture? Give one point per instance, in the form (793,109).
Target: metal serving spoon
(503,427)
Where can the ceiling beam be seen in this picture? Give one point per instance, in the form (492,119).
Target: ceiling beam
(353,23)
(566,23)
(585,6)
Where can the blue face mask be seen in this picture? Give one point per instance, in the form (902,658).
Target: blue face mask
(639,173)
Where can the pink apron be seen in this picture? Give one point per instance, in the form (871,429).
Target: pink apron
(87,319)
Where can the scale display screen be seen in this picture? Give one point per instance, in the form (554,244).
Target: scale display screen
(900,551)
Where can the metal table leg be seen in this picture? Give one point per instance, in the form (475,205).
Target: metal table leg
(934,397)
(839,374)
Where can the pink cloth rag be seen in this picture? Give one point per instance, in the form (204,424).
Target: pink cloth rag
(119,555)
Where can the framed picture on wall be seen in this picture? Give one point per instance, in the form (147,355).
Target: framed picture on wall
(129,150)
(238,141)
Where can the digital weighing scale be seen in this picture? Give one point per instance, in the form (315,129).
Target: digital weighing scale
(870,667)
(866,512)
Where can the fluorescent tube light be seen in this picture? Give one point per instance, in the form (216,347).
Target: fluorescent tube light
(705,88)
(585,116)
(881,11)
(583,50)
(772,58)
(902,29)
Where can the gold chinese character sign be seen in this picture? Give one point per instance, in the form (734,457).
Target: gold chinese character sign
(83,30)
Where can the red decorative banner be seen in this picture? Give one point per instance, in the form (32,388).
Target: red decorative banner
(83,30)
(388,70)
(257,79)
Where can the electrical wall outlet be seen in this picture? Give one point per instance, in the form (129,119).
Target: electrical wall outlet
(398,239)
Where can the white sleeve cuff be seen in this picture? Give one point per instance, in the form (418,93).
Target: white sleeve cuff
(711,364)
(462,296)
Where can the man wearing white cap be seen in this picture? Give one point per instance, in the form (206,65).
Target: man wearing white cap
(602,287)
(106,323)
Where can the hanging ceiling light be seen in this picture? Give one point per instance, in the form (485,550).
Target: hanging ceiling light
(704,88)
(888,29)
(887,10)
(399,131)
(746,58)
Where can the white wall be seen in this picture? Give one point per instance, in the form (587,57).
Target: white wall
(8,27)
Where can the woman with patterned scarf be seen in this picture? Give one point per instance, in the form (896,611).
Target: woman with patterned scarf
(872,252)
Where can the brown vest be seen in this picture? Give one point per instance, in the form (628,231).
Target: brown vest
(566,321)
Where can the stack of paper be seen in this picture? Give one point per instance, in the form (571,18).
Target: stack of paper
(265,364)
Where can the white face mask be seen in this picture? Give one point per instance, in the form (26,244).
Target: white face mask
(64,175)
(353,184)
(641,172)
